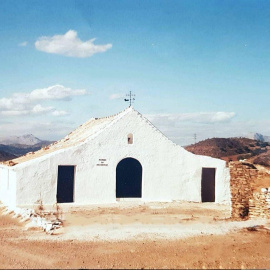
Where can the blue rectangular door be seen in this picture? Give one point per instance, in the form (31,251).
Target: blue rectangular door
(65,184)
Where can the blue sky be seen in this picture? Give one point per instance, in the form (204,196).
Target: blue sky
(195,66)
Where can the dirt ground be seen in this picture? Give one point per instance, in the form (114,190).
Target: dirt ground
(128,235)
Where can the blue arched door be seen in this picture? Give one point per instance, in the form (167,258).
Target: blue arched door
(129,179)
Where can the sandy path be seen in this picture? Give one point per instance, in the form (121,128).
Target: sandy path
(155,245)
(125,221)
(118,232)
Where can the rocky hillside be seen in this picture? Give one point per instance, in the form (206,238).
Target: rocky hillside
(262,159)
(231,148)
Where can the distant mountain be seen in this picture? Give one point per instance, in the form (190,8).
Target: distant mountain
(21,149)
(27,139)
(259,137)
(15,146)
(229,148)
(262,138)
(6,156)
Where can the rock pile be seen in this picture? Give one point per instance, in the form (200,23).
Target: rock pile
(241,184)
(30,215)
(259,204)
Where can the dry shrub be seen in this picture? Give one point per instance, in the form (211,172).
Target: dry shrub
(58,212)
(39,208)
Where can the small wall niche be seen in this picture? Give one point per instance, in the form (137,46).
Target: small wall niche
(130,138)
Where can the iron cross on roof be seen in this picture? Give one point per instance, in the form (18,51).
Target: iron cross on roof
(130,99)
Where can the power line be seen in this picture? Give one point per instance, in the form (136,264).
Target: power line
(195,138)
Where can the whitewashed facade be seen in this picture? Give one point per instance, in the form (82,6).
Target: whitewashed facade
(169,172)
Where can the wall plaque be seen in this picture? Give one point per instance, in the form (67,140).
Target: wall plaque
(102,162)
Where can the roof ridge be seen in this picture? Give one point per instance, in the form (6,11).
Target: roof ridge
(88,121)
(155,128)
(96,133)
(113,115)
(58,145)
(120,115)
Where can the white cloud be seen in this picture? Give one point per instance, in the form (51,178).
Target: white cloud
(70,45)
(36,109)
(181,128)
(116,96)
(6,104)
(26,103)
(59,113)
(201,117)
(55,92)
(23,44)
(15,112)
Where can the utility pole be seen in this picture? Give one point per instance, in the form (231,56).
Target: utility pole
(195,138)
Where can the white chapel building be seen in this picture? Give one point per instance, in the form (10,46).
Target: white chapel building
(113,158)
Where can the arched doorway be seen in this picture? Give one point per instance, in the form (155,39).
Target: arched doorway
(129,179)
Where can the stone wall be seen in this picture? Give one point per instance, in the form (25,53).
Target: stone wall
(241,184)
(259,204)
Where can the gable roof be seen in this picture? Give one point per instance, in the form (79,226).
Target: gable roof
(88,130)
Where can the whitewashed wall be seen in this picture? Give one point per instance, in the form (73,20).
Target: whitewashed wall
(7,186)
(169,171)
